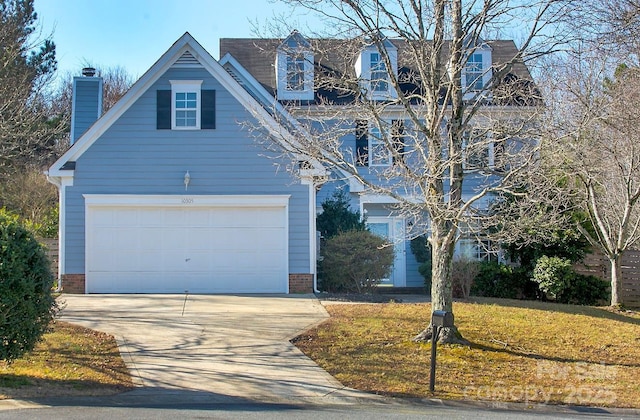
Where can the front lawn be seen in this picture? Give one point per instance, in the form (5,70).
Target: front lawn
(522,351)
(70,360)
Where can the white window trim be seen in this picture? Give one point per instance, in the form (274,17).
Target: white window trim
(487,72)
(375,140)
(380,69)
(282,82)
(364,72)
(185,86)
(490,154)
(295,60)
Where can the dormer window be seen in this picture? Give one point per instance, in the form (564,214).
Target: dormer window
(294,69)
(477,70)
(371,69)
(473,72)
(379,74)
(295,72)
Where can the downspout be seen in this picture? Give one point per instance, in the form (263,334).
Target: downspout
(314,235)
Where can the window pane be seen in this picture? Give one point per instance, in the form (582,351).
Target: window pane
(185,118)
(186,105)
(378,74)
(473,72)
(380,229)
(295,73)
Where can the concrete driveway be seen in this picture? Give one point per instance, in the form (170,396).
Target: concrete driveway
(228,346)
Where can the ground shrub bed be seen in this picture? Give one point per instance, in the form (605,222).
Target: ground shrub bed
(522,351)
(70,360)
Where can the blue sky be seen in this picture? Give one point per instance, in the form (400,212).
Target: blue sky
(135,33)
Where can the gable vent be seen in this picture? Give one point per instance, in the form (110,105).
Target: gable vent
(187,60)
(235,76)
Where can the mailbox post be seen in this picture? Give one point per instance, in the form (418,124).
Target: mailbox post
(439,319)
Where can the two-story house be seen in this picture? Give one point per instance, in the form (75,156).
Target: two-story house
(309,77)
(175,188)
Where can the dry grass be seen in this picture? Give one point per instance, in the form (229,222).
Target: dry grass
(70,360)
(529,352)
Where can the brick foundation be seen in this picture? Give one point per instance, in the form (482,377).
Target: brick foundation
(300,283)
(73,283)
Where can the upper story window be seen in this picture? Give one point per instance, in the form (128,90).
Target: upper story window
(473,72)
(476,145)
(295,72)
(186,109)
(371,69)
(186,106)
(186,100)
(484,150)
(379,152)
(379,74)
(376,147)
(477,70)
(294,68)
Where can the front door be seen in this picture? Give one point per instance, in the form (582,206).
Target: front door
(392,229)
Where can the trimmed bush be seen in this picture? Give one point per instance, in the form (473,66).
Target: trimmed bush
(355,261)
(554,275)
(497,280)
(586,290)
(26,302)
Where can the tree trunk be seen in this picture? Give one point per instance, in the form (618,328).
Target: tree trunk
(442,248)
(616,279)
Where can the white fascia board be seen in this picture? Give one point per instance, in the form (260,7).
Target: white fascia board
(60,178)
(377,199)
(134,200)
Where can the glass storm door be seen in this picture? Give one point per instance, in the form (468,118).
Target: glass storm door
(392,229)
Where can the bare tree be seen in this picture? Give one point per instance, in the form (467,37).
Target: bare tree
(592,122)
(449,128)
(596,147)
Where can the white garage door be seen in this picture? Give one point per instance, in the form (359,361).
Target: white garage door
(170,244)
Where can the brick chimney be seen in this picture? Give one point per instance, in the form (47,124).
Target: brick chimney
(86,105)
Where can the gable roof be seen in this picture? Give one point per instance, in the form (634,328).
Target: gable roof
(258,55)
(185,46)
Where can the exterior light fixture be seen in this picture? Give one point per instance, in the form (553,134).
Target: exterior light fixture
(187,179)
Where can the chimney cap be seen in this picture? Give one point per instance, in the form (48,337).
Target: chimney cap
(88,72)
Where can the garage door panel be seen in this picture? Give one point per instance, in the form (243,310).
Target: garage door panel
(203,250)
(127,218)
(152,218)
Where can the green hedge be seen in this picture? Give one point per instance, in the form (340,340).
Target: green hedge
(26,302)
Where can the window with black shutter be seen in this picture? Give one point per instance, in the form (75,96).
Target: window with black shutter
(362,143)
(208,112)
(185,106)
(397,137)
(163,118)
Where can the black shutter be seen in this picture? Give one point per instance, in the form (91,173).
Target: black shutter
(208,112)
(163,118)
(397,138)
(362,143)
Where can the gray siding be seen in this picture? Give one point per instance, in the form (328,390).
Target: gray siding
(133,157)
